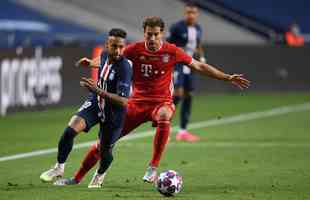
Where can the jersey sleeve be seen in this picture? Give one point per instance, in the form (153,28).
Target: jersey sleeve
(129,51)
(182,57)
(125,78)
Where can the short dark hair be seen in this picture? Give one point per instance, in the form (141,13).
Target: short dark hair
(191,4)
(153,21)
(117,32)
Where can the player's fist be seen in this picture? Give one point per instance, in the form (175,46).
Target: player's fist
(84,62)
(239,81)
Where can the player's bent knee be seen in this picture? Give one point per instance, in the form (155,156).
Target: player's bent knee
(164,114)
(77,123)
(164,117)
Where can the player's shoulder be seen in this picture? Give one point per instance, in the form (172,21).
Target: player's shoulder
(104,55)
(198,26)
(128,63)
(125,64)
(180,23)
(133,49)
(177,25)
(124,61)
(170,46)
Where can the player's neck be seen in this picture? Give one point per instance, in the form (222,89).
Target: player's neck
(190,23)
(153,50)
(111,60)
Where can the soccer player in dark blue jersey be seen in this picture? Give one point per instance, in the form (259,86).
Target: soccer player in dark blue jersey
(187,34)
(105,105)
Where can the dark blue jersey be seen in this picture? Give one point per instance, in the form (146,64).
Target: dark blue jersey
(114,78)
(179,35)
(188,38)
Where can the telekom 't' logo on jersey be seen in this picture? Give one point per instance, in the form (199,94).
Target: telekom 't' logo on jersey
(146,70)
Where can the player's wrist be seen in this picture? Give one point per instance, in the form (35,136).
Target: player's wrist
(102,93)
(98,91)
(228,77)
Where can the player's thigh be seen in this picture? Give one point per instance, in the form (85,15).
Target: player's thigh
(86,117)
(189,84)
(135,116)
(178,76)
(109,134)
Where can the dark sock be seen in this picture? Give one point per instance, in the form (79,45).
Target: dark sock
(186,111)
(106,160)
(65,144)
(176,100)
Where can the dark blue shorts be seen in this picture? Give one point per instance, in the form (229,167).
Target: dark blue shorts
(90,112)
(110,129)
(183,78)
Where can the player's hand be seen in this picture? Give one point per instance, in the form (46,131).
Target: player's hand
(239,81)
(89,83)
(84,62)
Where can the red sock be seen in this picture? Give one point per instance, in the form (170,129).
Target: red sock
(89,162)
(160,141)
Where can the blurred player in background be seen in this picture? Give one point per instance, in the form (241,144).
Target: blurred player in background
(187,34)
(106,105)
(153,63)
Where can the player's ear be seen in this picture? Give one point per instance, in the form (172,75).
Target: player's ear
(106,44)
(163,33)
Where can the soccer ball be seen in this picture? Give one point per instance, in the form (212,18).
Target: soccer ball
(169,183)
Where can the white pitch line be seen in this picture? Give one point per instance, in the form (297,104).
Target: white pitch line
(215,122)
(225,144)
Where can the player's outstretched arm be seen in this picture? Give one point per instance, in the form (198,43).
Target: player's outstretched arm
(86,62)
(91,85)
(206,69)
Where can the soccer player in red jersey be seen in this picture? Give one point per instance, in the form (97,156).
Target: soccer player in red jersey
(153,62)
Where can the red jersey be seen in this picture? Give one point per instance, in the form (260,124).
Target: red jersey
(153,71)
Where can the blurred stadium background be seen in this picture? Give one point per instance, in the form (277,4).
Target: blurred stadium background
(256,141)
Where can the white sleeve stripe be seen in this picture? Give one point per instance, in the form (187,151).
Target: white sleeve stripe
(130,62)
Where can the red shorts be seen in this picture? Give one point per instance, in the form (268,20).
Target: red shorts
(141,112)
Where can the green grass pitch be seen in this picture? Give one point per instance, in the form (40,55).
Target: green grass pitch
(265,158)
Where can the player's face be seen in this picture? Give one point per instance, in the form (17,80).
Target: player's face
(153,37)
(115,47)
(191,15)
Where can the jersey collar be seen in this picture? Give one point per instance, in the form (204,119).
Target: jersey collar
(161,45)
